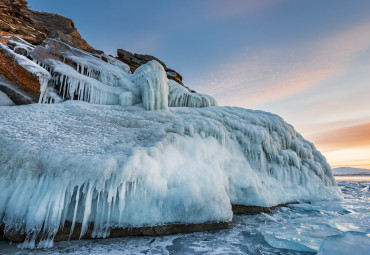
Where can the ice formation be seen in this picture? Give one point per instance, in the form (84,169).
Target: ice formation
(113,163)
(152,80)
(347,243)
(67,73)
(179,96)
(115,166)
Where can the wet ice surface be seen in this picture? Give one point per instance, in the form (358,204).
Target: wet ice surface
(296,229)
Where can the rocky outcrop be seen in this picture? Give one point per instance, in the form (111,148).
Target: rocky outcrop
(135,60)
(34,27)
(26,80)
(64,233)
(15,93)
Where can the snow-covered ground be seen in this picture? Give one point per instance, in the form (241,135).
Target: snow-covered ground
(350,171)
(335,227)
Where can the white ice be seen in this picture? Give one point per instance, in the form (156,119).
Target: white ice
(101,79)
(322,226)
(245,235)
(5,100)
(152,79)
(179,96)
(115,166)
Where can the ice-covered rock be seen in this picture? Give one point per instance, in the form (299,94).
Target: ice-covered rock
(179,96)
(152,80)
(24,71)
(67,73)
(126,167)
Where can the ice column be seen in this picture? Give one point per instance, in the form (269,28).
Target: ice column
(153,82)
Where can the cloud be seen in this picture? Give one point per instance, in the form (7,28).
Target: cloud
(353,157)
(343,138)
(282,72)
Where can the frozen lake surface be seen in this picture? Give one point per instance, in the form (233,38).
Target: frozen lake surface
(296,229)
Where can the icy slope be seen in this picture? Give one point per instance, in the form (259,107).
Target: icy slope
(115,166)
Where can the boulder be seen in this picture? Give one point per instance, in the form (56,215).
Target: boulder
(27,81)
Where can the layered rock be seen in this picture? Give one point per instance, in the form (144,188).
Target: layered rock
(34,27)
(18,74)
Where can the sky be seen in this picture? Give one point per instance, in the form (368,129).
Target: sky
(307,61)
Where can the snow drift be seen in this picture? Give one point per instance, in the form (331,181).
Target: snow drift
(133,159)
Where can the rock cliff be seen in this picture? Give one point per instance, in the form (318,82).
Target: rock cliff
(34,27)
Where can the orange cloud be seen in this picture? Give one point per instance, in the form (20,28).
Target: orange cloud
(343,138)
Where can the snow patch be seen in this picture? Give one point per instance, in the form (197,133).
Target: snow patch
(5,100)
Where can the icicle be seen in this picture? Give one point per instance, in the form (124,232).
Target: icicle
(43,89)
(179,96)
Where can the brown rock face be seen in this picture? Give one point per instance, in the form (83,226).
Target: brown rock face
(18,75)
(34,27)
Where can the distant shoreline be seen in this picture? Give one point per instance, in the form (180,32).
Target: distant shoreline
(359,175)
